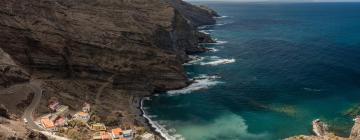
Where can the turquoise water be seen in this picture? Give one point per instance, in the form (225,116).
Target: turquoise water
(277,67)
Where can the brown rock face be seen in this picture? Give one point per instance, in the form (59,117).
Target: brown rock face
(4,112)
(197,15)
(355,131)
(10,72)
(143,43)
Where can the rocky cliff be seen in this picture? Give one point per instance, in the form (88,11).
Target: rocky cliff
(197,15)
(143,43)
(104,52)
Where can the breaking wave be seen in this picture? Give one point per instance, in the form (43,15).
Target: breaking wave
(209,60)
(221,17)
(161,129)
(222,24)
(218,62)
(200,83)
(194,60)
(204,31)
(213,49)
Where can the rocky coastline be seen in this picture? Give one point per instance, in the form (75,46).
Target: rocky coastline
(322,133)
(131,49)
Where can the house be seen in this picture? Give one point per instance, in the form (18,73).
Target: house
(47,124)
(98,127)
(116,133)
(86,107)
(60,121)
(102,135)
(54,105)
(83,116)
(147,136)
(62,109)
(128,134)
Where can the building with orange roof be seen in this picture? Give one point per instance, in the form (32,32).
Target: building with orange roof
(47,124)
(116,133)
(102,135)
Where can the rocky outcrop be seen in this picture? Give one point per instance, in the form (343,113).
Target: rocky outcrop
(143,43)
(197,15)
(204,38)
(355,131)
(10,72)
(329,136)
(4,112)
(354,134)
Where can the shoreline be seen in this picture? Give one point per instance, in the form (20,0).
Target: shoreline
(147,122)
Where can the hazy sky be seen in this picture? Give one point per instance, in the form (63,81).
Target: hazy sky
(285,0)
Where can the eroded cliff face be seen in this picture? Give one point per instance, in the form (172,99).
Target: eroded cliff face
(10,72)
(143,43)
(104,52)
(197,15)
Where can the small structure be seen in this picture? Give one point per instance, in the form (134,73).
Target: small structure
(54,105)
(62,109)
(147,136)
(102,135)
(98,127)
(116,133)
(128,134)
(82,116)
(60,121)
(48,124)
(86,107)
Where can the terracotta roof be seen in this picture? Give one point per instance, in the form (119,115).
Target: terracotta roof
(117,131)
(83,114)
(47,123)
(105,135)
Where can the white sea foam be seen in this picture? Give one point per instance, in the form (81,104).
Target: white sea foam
(221,17)
(201,82)
(213,49)
(218,42)
(218,62)
(209,60)
(194,60)
(204,31)
(158,127)
(222,24)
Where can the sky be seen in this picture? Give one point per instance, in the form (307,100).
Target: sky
(284,0)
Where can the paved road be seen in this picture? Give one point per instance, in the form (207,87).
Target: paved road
(29,111)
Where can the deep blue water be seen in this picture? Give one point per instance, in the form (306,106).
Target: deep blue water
(294,62)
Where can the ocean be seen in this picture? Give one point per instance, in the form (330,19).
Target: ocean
(276,67)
